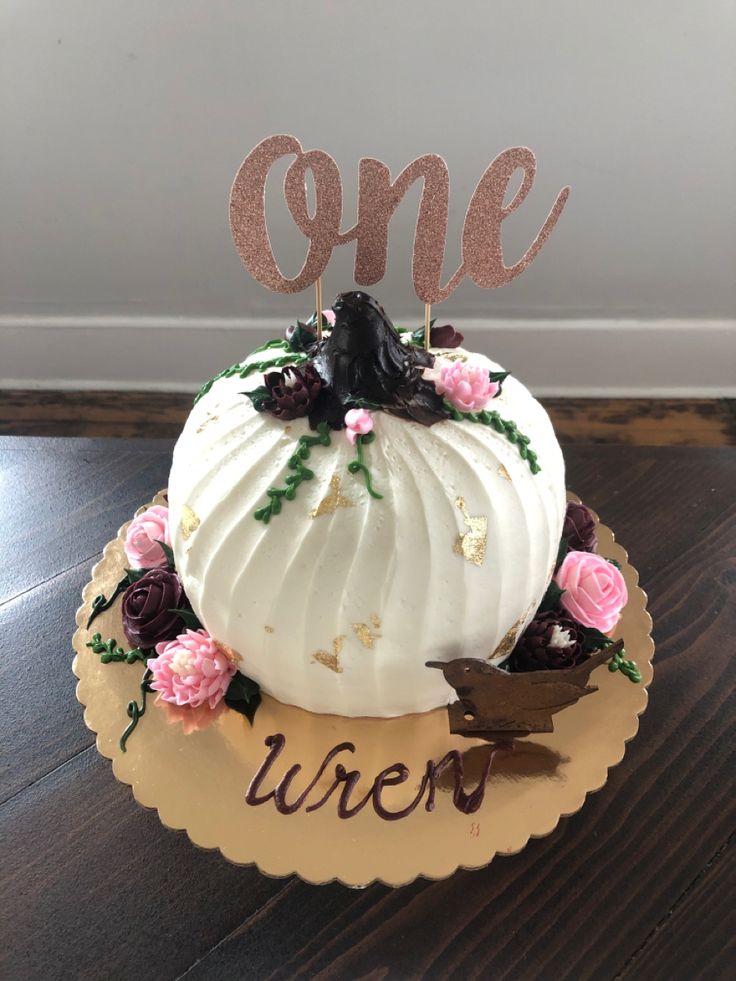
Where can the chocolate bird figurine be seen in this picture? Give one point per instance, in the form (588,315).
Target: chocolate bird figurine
(493,702)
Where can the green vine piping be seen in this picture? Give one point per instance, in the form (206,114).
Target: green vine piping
(628,668)
(243,370)
(504,426)
(109,651)
(358,466)
(303,449)
(275,342)
(136,711)
(101,602)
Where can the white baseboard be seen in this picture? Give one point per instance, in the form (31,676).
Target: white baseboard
(613,358)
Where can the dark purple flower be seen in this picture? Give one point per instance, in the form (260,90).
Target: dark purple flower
(445,336)
(147,619)
(579,528)
(552,640)
(292,391)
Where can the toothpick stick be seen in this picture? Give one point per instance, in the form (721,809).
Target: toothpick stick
(318,295)
(427,313)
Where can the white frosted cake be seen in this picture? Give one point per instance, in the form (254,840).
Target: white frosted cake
(368,506)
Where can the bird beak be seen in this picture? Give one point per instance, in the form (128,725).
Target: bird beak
(435,664)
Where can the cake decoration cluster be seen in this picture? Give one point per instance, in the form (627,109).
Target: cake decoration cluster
(183,663)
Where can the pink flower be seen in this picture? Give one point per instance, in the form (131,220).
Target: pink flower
(595,591)
(191,670)
(466,386)
(329,316)
(142,539)
(358,422)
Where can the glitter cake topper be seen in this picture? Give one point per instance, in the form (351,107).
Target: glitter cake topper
(378,199)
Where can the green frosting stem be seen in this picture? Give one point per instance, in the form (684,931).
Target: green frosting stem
(109,651)
(300,473)
(504,426)
(243,370)
(358,466)
(628,668)
(136,711)
(269,345)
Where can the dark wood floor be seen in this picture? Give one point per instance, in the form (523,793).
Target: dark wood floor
(642,422)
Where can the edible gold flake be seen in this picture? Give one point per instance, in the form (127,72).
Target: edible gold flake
(189,522)
(333,500)
(376,620)
(331,661)
(229,653)
(206,423)
(508,641)
(472,545)
(456,356)
(269,630)
(364,633)
(503,472)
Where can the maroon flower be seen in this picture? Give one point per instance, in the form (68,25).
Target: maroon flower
(147,603)
(551,640)
(293,391)
(579,528)
(445,336)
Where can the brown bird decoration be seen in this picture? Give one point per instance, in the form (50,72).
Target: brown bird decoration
(497,703)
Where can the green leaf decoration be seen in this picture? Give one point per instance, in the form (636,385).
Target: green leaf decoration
(244,370)
(551,598)
(189,617)
(259,397)
(169,553)
(136,711)
(109,651)
(615,563)
(562,552)
(358,465)
(293,480)
(594,640)
(101,603)
(243,695)
(133,575)
(627,667)
(417,336)
(503,426)
(498,376)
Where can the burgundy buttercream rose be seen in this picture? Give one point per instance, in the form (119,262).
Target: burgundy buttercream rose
(579,528)
(551,641)
(146,606)
(445,336)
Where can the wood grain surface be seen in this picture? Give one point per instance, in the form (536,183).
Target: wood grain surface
(638,884)
(642,422)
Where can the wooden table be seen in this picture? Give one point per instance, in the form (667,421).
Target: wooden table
(637,885)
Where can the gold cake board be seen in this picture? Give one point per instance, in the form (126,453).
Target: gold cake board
(196,778)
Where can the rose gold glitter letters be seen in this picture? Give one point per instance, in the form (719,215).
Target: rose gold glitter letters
(378,199)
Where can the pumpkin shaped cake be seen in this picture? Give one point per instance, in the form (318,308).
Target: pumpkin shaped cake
(345,509)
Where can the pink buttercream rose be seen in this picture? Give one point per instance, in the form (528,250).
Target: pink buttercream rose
(144,534)
(191,670)
(466,386)
(358,422)
(595,591)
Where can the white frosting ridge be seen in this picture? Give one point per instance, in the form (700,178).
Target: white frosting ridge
(302,595)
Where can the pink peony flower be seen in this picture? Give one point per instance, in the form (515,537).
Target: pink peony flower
(329,316)
(358,422)
(191,670)
(142,539)
(466,386)
(595,591)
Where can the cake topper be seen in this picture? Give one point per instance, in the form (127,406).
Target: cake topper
(378,198)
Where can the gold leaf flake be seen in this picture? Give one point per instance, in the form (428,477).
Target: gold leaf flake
(229,653)
(189,522)
(365,635)
(269,630)
(333,500)
(331,661)
(376,620)
(454,357)
(206,423)
(472,545)
(508,641)
(503,472)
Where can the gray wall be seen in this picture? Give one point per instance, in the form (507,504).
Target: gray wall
(123,124)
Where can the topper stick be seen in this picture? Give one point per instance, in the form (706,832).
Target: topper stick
(318,299)
(427,313)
